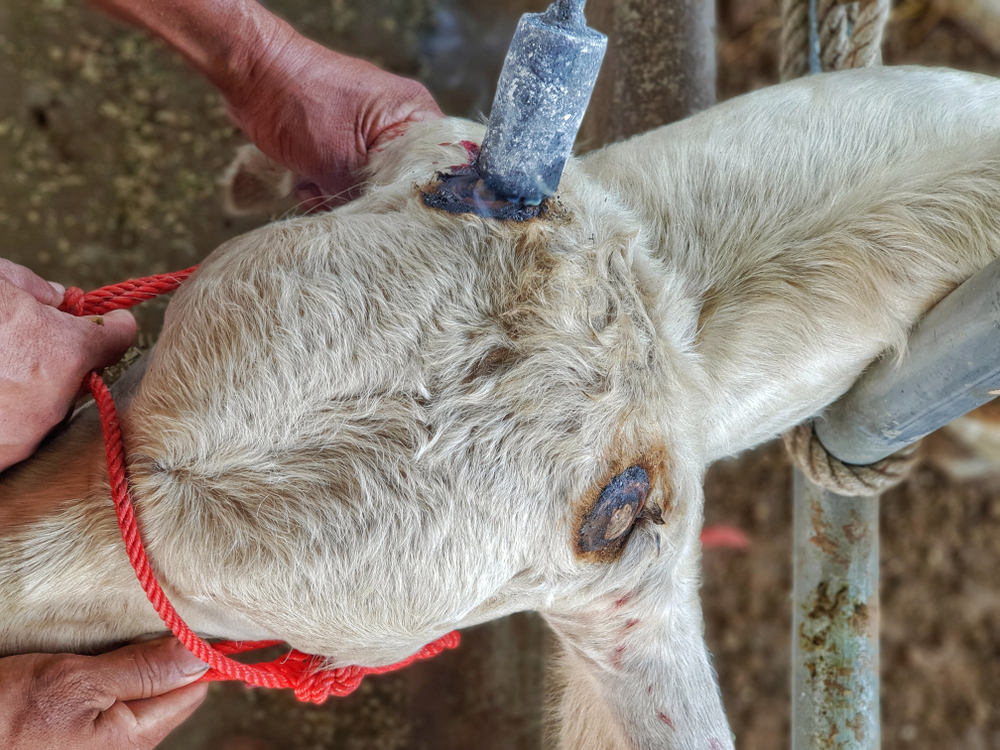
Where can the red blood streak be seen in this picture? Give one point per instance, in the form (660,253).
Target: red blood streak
(472,149)
(665,719)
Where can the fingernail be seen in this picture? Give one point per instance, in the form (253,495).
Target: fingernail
(188,663)
(60,289)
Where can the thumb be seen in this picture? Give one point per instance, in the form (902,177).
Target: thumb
(145,670)
(105,338)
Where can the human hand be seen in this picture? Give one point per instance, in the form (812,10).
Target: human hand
(314,111)
(320,113)
(44,356)
(130,698)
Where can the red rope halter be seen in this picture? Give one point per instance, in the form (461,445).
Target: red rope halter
(296,670)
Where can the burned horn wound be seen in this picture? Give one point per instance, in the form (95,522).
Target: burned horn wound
(615,511)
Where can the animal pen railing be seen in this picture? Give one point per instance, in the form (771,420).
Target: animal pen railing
(950,367)
(863,443)
(860,444)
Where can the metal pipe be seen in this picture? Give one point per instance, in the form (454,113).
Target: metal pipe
(660,66)
(835,680)
(950,368)
(835,619)
(815,62)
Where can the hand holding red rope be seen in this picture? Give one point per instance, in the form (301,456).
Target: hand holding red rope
(298,671)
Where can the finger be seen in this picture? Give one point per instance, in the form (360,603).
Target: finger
(141,725)
(104,338)
(415,105)
(48,293)
(429,111)
(312,199)
(157,717)
(146,670)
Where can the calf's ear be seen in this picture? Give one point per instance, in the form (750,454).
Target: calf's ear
(254,184)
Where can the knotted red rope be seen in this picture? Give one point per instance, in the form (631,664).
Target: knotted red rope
(123,295)
(296,670)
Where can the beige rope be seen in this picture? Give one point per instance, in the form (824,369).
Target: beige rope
(832,474)
(834,41)
(794,58)
(866,34)
(850,35)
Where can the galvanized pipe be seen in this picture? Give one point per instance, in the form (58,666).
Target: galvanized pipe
(835,648)
(815,63)
(952,366)
(835,600)
(949,369)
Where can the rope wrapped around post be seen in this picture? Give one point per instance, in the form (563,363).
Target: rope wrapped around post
(850,35)
(849,480)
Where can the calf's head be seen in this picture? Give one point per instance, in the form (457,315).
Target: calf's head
(382,423)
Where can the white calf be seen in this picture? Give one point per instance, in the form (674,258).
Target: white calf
(363,429)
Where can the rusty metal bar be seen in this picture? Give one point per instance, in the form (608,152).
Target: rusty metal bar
(835,599)
(835,647)
(946,372)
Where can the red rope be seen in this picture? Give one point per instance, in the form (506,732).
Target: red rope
(124,295)
(296,670)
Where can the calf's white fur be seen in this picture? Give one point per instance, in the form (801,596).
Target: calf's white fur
(363,429)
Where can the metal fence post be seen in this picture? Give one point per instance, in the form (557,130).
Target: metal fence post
(950,367)
(835,620)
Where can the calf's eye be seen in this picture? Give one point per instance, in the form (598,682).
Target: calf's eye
(615,511)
